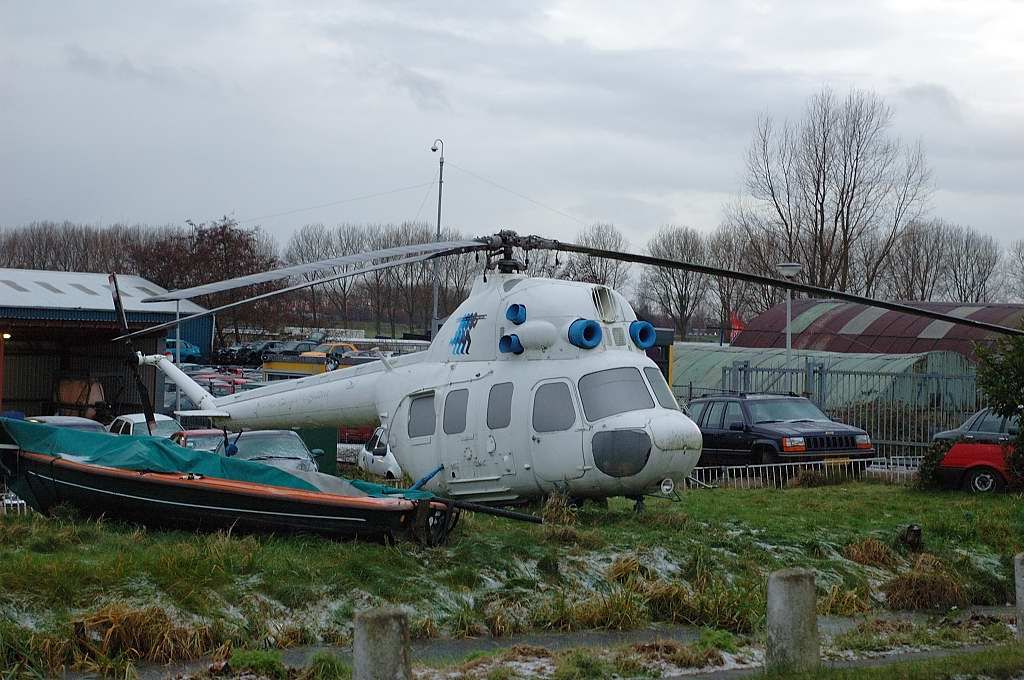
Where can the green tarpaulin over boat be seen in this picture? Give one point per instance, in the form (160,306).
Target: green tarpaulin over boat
(156,454)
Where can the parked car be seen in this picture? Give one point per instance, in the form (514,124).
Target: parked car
(203,440)
(280,448)
(294,348)
(329,348)
(71,422)
(978,467)
(226,356)
(135,423)
(189,352)
(376,456)
(983,426)
(255,352)
(764,428)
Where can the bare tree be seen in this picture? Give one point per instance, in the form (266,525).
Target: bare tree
(604,236)
(918,262)
(676,293)
(973,265)
(1015,270)
(825,184)
(729,247)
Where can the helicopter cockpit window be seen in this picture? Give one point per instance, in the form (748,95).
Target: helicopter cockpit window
(615,390)
(553,410)
(499,406)
(455,411)
(422,416)
(661,389)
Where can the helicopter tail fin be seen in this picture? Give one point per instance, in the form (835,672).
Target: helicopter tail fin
(202,399)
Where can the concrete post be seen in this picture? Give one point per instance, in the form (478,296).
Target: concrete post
(1018,578)
(792,621)
(380,647)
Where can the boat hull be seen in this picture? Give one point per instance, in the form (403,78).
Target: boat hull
(193,501)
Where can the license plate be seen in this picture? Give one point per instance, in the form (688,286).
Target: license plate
(837,461)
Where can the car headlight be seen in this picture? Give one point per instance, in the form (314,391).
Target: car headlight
(794,444)
(862,441)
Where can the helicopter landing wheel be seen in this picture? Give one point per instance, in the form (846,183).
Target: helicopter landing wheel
(638,506)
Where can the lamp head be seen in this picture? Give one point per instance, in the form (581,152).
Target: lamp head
(789,269)
(433,147)
(6,336)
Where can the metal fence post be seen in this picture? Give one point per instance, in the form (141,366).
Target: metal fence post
(1018,577)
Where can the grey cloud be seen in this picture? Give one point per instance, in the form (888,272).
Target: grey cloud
(937,97)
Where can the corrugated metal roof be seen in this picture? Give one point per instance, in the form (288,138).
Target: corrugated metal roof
(42,289)
(833,326)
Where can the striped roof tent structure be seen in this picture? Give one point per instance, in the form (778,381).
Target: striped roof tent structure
(834,326)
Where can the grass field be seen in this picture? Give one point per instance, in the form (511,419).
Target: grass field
(87,594)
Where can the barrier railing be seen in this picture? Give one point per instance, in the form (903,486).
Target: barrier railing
(12,505)
(894,470)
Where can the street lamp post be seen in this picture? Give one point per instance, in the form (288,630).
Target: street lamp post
(4,337)
(437,145)
(789,271)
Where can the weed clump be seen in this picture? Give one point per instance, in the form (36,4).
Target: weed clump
(581,664)
(928,585)
(709,602)
(870,552)
(260,662)
(840,601)
(628,568)
(683,656)
(558,510)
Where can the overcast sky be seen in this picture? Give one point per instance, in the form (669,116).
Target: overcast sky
(637,113)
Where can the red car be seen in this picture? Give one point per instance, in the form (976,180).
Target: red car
(978,467)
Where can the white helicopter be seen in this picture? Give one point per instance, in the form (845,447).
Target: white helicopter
(532,385)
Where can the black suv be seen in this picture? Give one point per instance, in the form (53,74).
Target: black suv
(766,428)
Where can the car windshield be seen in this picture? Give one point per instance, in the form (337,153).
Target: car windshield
(164,428)
(204,442)
(322,348)
(615,390)
(267,445)
(776,410)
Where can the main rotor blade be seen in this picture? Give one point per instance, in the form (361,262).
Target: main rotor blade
(289,289)
(816,291)
(440,248)
(140,385)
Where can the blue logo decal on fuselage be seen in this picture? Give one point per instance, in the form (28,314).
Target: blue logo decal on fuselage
(463,340)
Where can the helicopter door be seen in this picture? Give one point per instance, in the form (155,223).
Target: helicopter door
(556,434)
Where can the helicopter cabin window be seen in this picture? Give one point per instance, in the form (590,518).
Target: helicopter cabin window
(616,390)
(499,406)
(661,389)
(422,416)
(553,410)
(455,411)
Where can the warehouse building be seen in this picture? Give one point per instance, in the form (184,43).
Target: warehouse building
(57,331)
(835,326)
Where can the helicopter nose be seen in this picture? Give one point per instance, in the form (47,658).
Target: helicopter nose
(673,431)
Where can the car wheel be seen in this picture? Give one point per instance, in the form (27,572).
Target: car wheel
(765,456)
(983,480)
